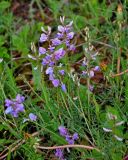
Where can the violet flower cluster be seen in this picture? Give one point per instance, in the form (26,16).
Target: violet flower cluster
(68,137)
(15,106)
(56,49)
(90,57)
(59,153)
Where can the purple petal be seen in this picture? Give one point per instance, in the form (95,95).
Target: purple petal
(72,47)
(63,87)
(60,35)
(43,37)
(84,73)
(61,28)
(51,48)
(42,50)
(59,153)
(46,60)
(63,131)
(70,35)
(59,54)
(32,117)
(97,68)
(69,139)
(61,72)
(14,114)
(56,42)
(19,98)
(51,77)
(91,74)
(19,107)
(8,110)
(51,63)
(49,70)
(8,103)
(91,88)
(75,136)
(56,82)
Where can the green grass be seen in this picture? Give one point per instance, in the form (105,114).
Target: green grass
(88,114)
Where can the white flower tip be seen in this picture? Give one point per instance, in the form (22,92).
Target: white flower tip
(33,47)
(107,130)
(70,24)
(49,30)
(86,49)
(1,60)
(62,19)
(25,120)
(119,123)
(35,68)
(75,98)
(30,56)
(43,30)
(118,138)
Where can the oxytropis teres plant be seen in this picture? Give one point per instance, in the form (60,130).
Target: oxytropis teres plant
(52,59)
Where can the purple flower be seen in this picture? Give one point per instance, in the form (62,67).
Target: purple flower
(91,74)
(67,43)
(72,139)
(49,70)
(20,98)
(42,50)
(46,60)
(84,73)
(91,88)
(97,68)
(56,82)
(51,64)
(61,28)
(15,106)
(72,47)
(51,77)
(59,54)
(61,72)
(51,48)
(56,42)
(63,131)
(8,102)
(84,63)
(60,35)
(43,37)
(69,139)
(32,117)
(9,110)
(59,154)
(19,107)
(63,87)
(70,35)
(67,28)
(75,136)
